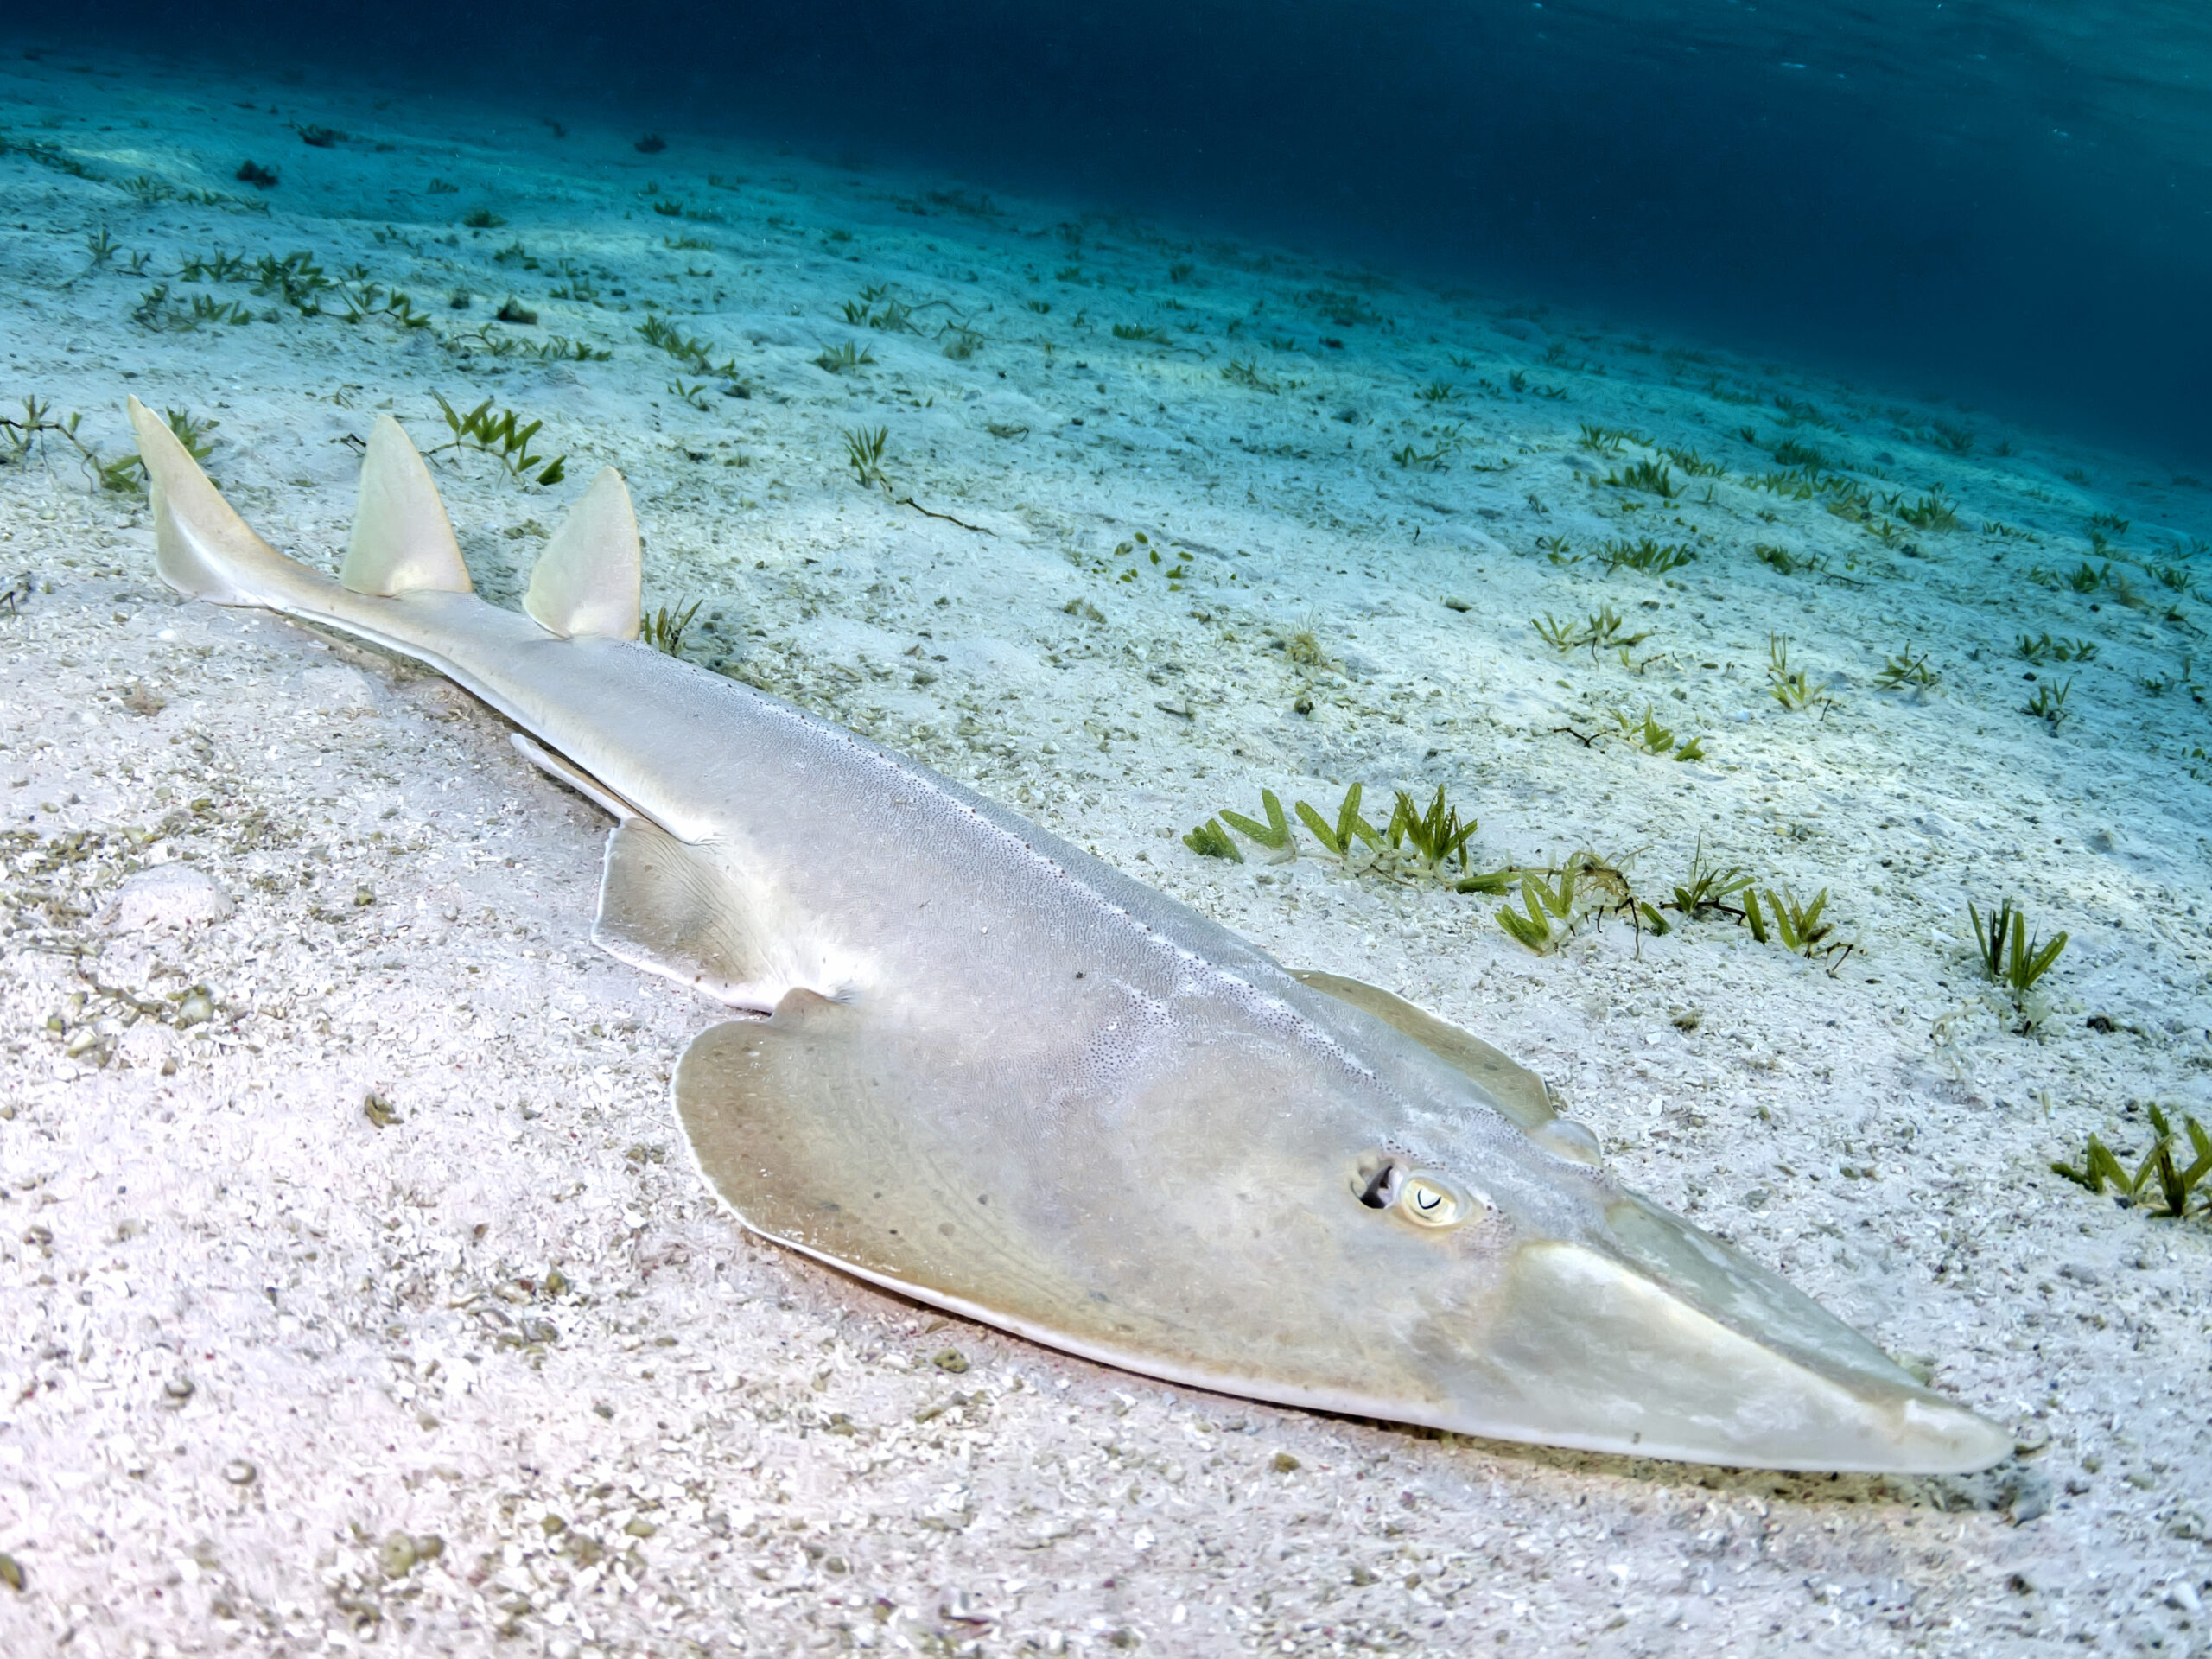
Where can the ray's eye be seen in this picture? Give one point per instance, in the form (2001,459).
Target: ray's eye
(1432,1201)
(1380,1182)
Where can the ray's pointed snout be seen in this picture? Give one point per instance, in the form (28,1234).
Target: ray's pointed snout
(1683,1349)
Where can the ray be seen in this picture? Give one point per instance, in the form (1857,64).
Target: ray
(975,1064)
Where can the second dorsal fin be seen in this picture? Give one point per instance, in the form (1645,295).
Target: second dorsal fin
(588,579)
(402,542)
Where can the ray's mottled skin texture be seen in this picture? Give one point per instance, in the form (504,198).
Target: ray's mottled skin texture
(984,1068)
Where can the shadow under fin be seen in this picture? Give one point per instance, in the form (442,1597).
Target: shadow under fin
(403,542)
(1519,1092)
(590,576)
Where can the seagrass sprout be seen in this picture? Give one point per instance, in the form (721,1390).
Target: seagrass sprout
(2175,1182)
(2010,955)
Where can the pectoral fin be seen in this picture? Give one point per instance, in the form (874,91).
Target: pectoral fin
(1519,1092)
(670,908)
(826,1131)
(788,1120)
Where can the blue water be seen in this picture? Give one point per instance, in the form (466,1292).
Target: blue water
(2005,204)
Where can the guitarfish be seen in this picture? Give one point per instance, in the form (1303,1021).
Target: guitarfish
(973,1063)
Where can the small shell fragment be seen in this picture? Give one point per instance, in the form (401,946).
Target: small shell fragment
(167,897)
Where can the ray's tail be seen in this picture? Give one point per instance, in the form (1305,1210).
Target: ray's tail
(587,581)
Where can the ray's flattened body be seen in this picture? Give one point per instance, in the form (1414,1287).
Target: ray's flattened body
(999,1076)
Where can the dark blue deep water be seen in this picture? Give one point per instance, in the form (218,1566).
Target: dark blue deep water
(2008,204)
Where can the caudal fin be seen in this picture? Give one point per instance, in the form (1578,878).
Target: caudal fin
(200,546)
(587,583)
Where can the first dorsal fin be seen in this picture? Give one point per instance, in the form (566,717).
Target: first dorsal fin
(588,579)
(402,542)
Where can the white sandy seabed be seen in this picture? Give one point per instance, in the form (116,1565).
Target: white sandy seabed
(478,1367)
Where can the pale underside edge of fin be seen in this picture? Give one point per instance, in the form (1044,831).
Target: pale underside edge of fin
(1519,1092)
(563,770)
(666,906)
